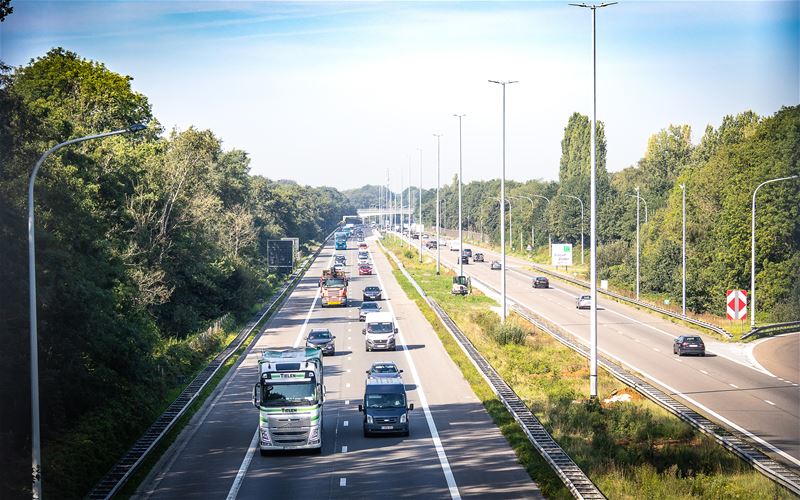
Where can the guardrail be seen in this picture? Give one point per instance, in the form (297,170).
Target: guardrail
(570,474)
(774,329)
(732,440)
(119,474)
(640,303)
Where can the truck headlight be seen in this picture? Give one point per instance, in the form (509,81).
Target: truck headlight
(265,436)
(403,418)
(313,434)
(369,419)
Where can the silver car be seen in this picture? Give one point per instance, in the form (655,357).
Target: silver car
(584,302)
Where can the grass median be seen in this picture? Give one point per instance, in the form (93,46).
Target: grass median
(630,449)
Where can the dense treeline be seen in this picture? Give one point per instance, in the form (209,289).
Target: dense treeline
(720,174)
(142,240)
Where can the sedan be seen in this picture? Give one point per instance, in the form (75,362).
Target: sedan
(583,302)
(689,344)
(478,257)
(364,269)
(540,282)
(464,259)
(366,308)
(372,293)
(384,369)
(322,339)
(495,265)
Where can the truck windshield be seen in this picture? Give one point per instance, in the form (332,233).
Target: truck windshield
(396,400)
(382,327)
(289,394)
(334,282)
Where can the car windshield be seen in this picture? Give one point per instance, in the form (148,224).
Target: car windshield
(370,305)
(586,297)
(394,400)
(319,335)
(289,394)
(382,327)
(372,289)
(384,369)
(541,279)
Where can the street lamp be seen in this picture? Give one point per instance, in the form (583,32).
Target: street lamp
(419,222)
(36,455)
(460,183)
(593,210)
(753,250)
(503,306)
(532,229)
(638,199)
(438,181)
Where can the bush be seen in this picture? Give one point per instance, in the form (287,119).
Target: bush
(509,333)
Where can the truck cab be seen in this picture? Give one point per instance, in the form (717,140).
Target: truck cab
(289,396)
(462,285)
(385,406)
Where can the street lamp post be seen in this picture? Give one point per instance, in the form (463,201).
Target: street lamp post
(593,211)
(532,229)
(438,182)
(419,222)
(638,199)
(503,306)
(753,249)
(36,454)
(460,183)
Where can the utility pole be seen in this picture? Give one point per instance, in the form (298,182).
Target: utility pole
(683,250)
(637,241)
(460,183)
(438,182)
(419,222)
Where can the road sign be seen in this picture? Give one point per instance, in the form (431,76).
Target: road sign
(562,254)
(280,254)
(737,304)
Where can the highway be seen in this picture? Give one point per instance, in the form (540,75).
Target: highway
(454,449)
(763,405)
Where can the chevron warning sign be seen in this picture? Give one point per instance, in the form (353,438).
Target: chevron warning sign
(737,304)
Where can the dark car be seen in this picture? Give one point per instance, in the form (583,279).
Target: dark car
(322,339)
(432,244)
(495,265)
(464,259)
(478,257)
(384,369)
(468,252)
(541,282)
(689,344)
(366,308)
(385,407)
(372,293)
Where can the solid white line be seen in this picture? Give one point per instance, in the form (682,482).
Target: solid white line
(237,483)
(342,481)
(437,442)
(656,349)
(347,385)
(734,386)
(704,372)
(769,402)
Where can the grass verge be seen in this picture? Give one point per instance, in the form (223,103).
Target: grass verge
(631,449)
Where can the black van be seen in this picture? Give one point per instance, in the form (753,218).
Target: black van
(385,407)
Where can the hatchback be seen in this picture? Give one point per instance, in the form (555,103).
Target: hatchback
(584,302)
(541,282)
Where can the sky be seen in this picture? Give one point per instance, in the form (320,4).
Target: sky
(345,94)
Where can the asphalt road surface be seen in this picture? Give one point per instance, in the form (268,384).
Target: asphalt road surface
(454,449)
(780,356)
(765,407)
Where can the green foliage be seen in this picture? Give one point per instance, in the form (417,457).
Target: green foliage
(141,240)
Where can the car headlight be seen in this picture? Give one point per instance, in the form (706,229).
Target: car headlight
(369,419)
(330,344)
(403,418)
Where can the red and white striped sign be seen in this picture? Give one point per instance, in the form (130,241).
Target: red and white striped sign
(737,304)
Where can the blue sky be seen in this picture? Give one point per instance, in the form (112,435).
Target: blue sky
(337,93)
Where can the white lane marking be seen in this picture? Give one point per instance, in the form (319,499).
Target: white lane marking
(343,481)
(344,449)
(676,392)
(437,442)
(349,358)
(349,370)
(656,349)
(347,385)
(788,381)
(349,348)
(237,483)
(679,360)
(349,338)
(347,401)
(704,372)
(734,386)
(769,402)
(346,423)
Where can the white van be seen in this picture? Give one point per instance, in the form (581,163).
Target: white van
(454,245)
(380,331)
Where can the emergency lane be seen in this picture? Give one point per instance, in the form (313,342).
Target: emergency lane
(214,458)
(765,407)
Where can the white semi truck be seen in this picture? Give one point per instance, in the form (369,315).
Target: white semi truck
(289,396)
